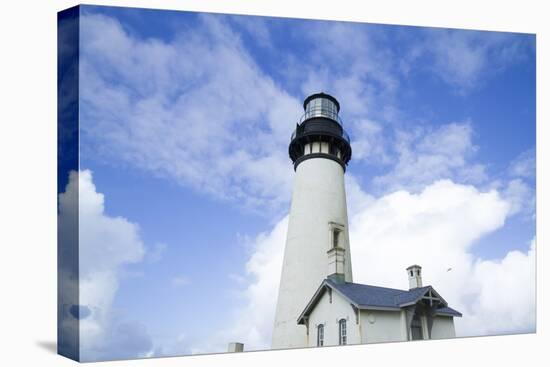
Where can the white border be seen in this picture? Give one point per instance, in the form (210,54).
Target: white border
(28,163)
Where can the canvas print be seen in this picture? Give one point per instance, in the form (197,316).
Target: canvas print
(234,183)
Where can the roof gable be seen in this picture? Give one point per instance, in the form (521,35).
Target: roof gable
(416,294)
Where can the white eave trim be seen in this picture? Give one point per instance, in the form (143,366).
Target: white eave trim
(379,308)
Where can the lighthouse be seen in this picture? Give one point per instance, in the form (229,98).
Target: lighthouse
(317,243)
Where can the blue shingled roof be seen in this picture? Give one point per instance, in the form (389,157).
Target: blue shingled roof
(448,311)
(369,296)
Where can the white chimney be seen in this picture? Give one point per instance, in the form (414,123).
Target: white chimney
(414,272)
(235,347)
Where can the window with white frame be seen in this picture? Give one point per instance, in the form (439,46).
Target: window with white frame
(320,335)
(343,332)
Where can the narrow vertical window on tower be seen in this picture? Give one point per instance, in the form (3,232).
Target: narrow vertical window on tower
(320,335)
(342,331)
(335,237)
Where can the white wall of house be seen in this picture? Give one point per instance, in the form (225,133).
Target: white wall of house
(374,326)
(329,314)
(443,327)
(382,326)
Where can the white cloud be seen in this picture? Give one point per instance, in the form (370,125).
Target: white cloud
(369,142)
(425,155)
(197,110)
(505,290)
(352,60)
(257,27)
(519,188)
(464,59)
(188,109)
(174,346)
(105,245)
(524,165)
(521,196)
(264,267)
(437,228)
(253,323)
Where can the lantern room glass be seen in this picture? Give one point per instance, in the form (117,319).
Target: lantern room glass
(321,107)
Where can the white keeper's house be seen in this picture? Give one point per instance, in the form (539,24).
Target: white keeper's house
(318,302)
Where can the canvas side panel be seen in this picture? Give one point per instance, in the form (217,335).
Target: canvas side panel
(67,182)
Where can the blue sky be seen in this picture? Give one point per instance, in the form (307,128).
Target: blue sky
(185,122)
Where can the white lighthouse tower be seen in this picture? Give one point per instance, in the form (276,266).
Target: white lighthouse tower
(317,244)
